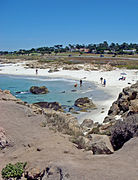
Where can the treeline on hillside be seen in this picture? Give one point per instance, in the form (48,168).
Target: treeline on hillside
(101,48)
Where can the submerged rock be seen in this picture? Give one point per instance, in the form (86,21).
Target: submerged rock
(39,90)
(52,105)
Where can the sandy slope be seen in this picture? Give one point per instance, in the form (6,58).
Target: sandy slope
(24,129)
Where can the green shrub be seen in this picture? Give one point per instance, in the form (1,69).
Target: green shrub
(13,170)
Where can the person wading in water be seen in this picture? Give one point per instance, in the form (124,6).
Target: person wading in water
(80,82)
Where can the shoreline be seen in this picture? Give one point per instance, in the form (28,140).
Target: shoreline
(113,87)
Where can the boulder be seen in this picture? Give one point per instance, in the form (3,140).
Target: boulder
(85,103)
(52,105)
(124,130)
(98,144)
(39,90)
(87,123)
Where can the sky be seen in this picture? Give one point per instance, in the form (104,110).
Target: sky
(26,24)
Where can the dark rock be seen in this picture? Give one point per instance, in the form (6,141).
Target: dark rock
(132,96)
(122,131)
(114,109)
(52,105)
(71,109)
(73,90)
(123,105)
(85,103)
(39,90)
(63,92)
(109,119)
(18,92)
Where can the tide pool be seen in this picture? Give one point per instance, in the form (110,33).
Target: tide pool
(60,89)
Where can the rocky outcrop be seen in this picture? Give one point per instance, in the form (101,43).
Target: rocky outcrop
(124,130)
(3,139)
(52,105)
(126,104)
(39,90)
(85,103)
(65,123)
(7,96)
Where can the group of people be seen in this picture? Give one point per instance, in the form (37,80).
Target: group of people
(122,78)
(103,81)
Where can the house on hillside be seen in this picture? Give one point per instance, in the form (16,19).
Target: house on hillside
(129,51)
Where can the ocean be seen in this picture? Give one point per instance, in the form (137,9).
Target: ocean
(60,90)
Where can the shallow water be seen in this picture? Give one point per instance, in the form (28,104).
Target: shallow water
(60,89)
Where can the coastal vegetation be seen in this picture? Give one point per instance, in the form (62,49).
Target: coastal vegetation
(101,48)
(13,170)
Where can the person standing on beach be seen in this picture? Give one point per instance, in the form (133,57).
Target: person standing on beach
(104,83)
(101,79)
(36,71)
(80,82)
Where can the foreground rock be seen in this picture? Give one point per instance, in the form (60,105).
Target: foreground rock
(85,103)
(98,144)
(50,172)
(124,130)
(39,90)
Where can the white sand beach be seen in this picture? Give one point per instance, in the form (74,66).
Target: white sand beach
(113,86)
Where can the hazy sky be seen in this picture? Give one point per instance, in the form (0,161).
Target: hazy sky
(26,24)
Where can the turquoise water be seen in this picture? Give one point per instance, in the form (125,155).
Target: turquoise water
(60,89)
